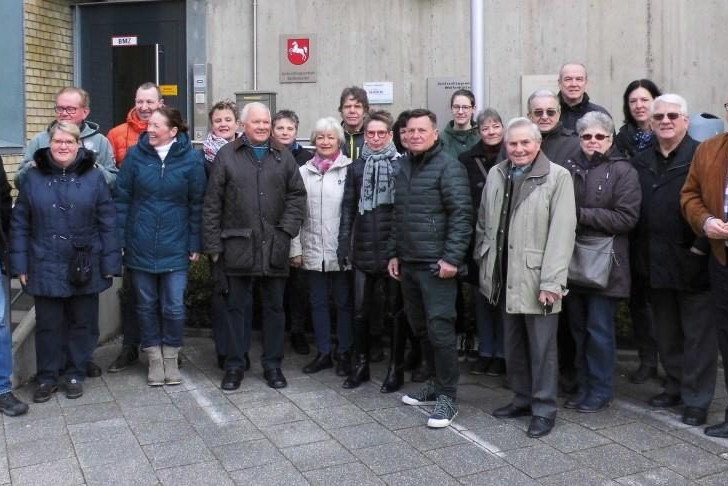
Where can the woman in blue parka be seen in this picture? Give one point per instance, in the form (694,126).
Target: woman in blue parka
(64,250)
(159,193)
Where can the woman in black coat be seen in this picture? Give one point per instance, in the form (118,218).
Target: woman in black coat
(636,134)
(478,161)
(364,230)
(64,250)
(608,196)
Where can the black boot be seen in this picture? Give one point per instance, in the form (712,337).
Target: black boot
(395,373)
(413,358)
(360,372)
(343,363)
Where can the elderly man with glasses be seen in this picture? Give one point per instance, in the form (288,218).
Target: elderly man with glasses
(73,105)
(675,263)
(559,144)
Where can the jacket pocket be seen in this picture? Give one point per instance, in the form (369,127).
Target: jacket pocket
(280,249)
(534,259)
(238,249)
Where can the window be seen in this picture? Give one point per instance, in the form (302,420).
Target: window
(12,94)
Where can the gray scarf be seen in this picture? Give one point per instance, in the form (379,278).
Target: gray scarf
(378,185)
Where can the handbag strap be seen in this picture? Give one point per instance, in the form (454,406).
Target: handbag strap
(481,167)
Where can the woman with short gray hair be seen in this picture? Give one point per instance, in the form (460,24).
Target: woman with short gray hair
(608,196)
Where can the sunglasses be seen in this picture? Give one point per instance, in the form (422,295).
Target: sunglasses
(598,136)
(671,116)
(549,112)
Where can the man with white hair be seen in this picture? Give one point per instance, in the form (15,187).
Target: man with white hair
(523,248)
(675,263)
(254,205)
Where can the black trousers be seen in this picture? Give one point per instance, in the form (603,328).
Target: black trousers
(239,301)
(365,300)
(719,298)
(429,302)
(643,326)
(64,322)
(687,343)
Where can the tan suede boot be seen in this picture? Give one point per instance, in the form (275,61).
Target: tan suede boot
(156,367)
(172,375)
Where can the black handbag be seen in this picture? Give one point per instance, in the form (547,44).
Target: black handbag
(591,262)
(80,272)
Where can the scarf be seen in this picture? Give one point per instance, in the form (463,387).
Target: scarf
(258,150)
(211,145)
(378,184)
(642,139)
(323,164)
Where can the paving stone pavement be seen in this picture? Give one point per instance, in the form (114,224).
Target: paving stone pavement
(314,432)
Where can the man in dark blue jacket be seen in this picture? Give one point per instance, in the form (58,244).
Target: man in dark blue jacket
(429,242)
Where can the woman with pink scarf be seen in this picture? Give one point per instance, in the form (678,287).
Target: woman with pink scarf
(314,249)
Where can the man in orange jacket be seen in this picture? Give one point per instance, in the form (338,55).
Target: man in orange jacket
(148,98)
(121,137)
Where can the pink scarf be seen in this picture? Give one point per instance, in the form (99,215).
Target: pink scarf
(324,163)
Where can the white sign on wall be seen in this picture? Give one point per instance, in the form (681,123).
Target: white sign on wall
(380,92)
(124,41)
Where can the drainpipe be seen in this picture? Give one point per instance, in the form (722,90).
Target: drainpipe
(255,45)
(477,52)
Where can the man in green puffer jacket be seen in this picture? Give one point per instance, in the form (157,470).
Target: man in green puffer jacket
(429,241)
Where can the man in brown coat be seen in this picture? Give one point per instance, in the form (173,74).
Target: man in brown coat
(704,200)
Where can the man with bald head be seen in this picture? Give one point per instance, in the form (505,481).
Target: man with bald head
(254,205)
(574,101)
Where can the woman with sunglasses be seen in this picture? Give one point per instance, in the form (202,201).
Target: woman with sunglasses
(607,193)
(636,133)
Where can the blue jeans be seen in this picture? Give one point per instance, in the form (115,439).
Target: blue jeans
(6,340)
(160,294)
(490,327)
(338,283)
(591,318)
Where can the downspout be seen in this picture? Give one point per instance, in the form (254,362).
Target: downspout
(255,45)
(477,52)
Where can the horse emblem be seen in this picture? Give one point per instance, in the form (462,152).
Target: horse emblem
(298,51)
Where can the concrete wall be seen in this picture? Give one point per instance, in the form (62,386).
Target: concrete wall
(677,43)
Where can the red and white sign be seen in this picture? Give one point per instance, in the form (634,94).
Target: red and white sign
(298,51)
(124,41)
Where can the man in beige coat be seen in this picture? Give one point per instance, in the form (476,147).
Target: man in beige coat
(524,242)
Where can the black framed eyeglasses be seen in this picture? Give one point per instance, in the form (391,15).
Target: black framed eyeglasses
(71,110)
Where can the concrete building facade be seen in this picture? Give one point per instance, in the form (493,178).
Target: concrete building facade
(676,43)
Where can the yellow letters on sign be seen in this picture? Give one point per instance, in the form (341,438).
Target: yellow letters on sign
(168,89)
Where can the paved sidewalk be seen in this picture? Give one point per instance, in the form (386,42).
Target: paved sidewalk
(315,432)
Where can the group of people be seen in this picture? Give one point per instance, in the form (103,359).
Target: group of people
(401,227)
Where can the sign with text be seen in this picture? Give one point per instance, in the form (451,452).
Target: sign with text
(297,58)
(124,41)
(380,92)
(439,91)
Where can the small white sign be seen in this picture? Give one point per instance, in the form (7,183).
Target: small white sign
(124,41)
(380,92)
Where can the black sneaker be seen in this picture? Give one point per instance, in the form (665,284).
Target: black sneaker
(11,406)
(481,366)
(44,392)
(444,413)
(425,396)
(74,389)
(128,356)
(299,343)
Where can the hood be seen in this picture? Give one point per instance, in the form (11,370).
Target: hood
(85,160)
(180,146)
(461,135)
(132,118)
(88,128)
